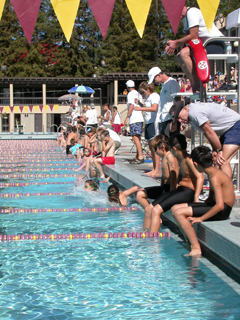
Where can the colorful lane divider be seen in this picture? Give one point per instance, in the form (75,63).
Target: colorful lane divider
(36,169)
(33,194)
(103,235)
(30,159)
(13,165)
(42,210)
(20,176)
(8,185)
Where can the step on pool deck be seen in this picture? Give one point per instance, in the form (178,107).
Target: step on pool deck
(220,237)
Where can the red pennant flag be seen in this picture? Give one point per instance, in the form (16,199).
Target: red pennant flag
(1,109)
(27,12)
(21,109)
(102,11)
(51,106)
(11,109)
(30,108)
(174,11)
(41,108)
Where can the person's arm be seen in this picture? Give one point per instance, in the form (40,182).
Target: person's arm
(128,192)
(200,179)
(113,116)
(172,45)
(153,108)
(108,146)
(130,110)
(219,206)
(214,141)
(173,171)
(82,166)
(107,116)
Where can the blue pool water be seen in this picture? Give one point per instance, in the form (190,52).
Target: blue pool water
(101,278)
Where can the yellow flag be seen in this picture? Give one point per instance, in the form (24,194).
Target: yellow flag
(56,107)
(139,11)
(46,107)
(66,12)
(2,3)
(16,109)
(209,10)
(36,108)
(6,109)
(25,108)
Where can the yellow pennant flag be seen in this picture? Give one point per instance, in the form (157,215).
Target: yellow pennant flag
(36,108)
(25,108)
(139,11)
(2,3)
(16,109)
(6,109)
(56,107)
(66,12)
(209,10)
(46,107)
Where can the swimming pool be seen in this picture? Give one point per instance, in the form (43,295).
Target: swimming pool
(117,278)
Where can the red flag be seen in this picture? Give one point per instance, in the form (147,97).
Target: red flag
(11,109)
(102,11)
(21,109)
(1,109)
(30,108)
(174,11)
(41,108)
(51,106)
(27,12)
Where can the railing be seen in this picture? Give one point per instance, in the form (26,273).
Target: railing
(122,99)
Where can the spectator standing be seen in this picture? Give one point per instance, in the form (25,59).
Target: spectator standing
(116,120)
(107,117)
(91,116)
(135,119)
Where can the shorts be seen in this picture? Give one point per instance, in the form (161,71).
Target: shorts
(215,47)
(169,199)
(164,128)
(150,131)
(199,209)
(68,147)
(155,192)
(136,129)
(232,136)
(117,127)
(108,160)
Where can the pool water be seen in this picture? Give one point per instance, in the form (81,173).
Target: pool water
(125,278)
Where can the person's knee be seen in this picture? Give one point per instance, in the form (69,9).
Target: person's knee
(183,54)
(148,210)
(140,194)
(174,210)
(156,212)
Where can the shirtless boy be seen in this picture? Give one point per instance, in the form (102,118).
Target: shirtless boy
(189,186)
(218,206)
(170,171)
(71,135)
(108,150)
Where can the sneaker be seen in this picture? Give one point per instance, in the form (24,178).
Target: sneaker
(139,161)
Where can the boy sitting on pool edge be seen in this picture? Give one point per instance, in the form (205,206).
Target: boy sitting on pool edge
(217,207)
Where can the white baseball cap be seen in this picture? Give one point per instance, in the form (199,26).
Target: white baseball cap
(130,84)
(152,73)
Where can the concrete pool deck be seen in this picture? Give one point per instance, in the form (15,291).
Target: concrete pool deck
(220,237)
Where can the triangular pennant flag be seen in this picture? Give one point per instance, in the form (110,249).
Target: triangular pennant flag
(56,107)
(102,11)
(41,108)
(1,109)
(139,11)
(173,10)
(21,109)
(209,10)
(30,108)
(2,3)
(27,12)
(25,109)
(51,107)
(11,109)
(6,109)
(36,108)
(46,108)
(16,109)
(66,12)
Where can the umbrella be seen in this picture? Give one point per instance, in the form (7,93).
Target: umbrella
(67,97)
(81,89)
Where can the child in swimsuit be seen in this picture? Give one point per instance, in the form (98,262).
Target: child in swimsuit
(114,195)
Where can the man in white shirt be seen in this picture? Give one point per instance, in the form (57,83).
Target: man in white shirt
(135,119)
(169,86)
(91,116)
(194,27)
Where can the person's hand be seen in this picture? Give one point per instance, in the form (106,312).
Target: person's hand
(196,199)
(171,47)
(136,108)
(195,220)
(126,121)
(220,159)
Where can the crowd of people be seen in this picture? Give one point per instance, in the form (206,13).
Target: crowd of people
(182,173)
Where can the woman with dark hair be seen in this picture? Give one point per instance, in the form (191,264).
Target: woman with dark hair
(107,116)
(114,194)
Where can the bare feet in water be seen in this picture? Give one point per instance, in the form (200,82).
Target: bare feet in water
(194,253)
